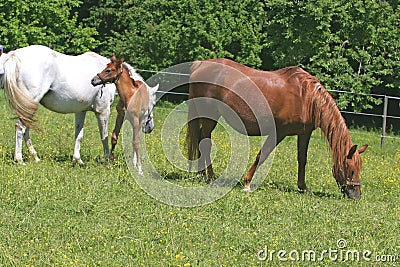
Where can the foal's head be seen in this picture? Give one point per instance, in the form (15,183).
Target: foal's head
(111,73)
(348,174)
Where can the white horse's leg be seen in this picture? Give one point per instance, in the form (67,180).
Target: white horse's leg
(102,122)
(79,121)
(22,132)
(19,133)
(29,144)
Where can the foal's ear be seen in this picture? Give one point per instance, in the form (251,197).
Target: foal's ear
(120,62)
(363,148)
(113,58)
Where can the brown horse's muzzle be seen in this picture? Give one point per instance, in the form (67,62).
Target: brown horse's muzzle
(352,191)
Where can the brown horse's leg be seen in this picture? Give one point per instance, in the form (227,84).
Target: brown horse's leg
(207,127)
(262,155)
(118,124)
(302,146)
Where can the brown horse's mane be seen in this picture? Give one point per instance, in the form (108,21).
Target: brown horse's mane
(326,115)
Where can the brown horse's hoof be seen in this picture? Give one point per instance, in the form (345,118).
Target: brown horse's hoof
(210,178)
(306,190)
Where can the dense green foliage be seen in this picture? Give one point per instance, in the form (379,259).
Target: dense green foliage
(52,23)
(349,45)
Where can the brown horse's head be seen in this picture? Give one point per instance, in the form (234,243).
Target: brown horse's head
(110,74)
(348,174)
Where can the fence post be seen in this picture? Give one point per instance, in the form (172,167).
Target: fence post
(385,104)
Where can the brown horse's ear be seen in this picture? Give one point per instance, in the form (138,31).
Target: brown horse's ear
(363,148)
(353,150)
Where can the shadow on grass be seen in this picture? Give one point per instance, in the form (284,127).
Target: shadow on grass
(174,176)
(87,160)
(200,179)
(61,158)
(285,188)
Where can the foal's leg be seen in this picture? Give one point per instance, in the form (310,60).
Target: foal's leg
(205,143)
(118,124)
(302,146)
(136,144)
(102,122)
(79,121)
(262,155)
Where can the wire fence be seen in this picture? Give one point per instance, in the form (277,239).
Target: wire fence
(383,115)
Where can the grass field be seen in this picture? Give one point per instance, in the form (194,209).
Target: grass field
(54,213)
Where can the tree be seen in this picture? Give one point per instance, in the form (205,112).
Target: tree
(157,34)
(52,23)
(349,45)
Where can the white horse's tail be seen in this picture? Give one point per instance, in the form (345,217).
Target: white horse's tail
(22,104)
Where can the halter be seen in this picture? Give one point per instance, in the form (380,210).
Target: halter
(348,183)
(111,79)
(351,183)
(344,187)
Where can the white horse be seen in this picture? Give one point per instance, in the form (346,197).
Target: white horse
(61,83)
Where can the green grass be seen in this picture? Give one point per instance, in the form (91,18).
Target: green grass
(54,213)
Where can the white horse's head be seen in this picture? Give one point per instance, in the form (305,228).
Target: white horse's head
(148,123)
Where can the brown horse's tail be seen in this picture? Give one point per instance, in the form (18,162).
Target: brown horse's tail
(22,104)
(193,133)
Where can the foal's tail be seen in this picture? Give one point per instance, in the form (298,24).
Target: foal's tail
(22,104)
(193,133)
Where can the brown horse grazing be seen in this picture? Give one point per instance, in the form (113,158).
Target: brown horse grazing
(297,102)
(136,101)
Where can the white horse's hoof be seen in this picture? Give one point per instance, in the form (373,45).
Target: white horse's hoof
(20,162)
(37,159)
(78,161)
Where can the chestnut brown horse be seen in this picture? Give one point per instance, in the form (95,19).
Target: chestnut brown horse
(297,102)
(136,102)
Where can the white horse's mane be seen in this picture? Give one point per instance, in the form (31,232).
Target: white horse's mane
(132,72)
